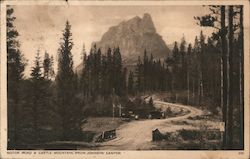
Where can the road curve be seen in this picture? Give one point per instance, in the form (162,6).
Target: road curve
(137,135)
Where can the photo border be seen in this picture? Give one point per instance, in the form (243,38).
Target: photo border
(122,154)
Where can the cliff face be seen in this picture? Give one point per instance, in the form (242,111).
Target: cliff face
(133,37)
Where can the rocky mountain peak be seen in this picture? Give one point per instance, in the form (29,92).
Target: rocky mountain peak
(133,37)
(147,23)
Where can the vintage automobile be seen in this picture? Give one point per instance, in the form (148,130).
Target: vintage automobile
(155,115)
(125,117)
(129,116)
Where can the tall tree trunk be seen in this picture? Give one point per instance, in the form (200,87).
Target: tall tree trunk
(15,121)
(221,82)
(230,77)
(173,86)
(199,90)
(224,60)
(188,87)
(241,76)
(193,92)
(35,121)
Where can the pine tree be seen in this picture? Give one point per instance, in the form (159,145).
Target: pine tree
(231,74)
(104,76)
(46,65)
(83,83)
(176,54)
(36,72)
(150,72)
(145,71)
(201,66)
(15,68)
(138,74)
(189,53)
(225,36)
(182,50)
(124,82)
(51,68)
(37,92)
(110,71)
(131,83)
(175,70)
(117,61)
(98,71)
(183,69)
(169,66)
(241,77)
(195,69)
(65,86)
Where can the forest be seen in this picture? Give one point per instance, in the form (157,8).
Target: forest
(50,105)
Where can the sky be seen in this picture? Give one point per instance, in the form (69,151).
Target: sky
(40,27)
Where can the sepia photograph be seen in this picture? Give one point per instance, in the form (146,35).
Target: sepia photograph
(125,77)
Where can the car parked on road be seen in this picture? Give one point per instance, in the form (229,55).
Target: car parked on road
(125,117)
(156,115)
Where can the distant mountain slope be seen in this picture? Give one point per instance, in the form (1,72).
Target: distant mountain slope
(133,37)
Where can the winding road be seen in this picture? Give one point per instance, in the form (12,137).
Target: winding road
(137,135)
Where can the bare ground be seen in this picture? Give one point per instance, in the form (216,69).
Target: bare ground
(137,135)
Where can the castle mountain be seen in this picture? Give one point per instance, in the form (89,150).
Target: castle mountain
(133,37)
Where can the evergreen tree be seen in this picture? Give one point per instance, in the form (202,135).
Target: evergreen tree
(98,71)
(182,50)
(51,67)
(37,92)
(175,70)
(195,70)
(46,65)
(36,73)
(150,72)
(145,71)
(176,54)
(110,71)
(117,61)
(15,68)
(241,77)
(124,82)
(83,79)
(183,69)
(222,18)
(169,66)
(188,59)
(201,66)
(104,76)
(131,83)
(65,87)
(138,74)
(231,72)
(223,34)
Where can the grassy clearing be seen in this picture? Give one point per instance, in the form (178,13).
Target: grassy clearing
(189,140)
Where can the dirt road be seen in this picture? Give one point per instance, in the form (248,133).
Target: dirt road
(137,135)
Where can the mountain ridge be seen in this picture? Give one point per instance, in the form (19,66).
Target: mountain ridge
(133,37)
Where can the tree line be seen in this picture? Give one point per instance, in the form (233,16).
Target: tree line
(229,34)
(195,74)
(45,101)
(103,74)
